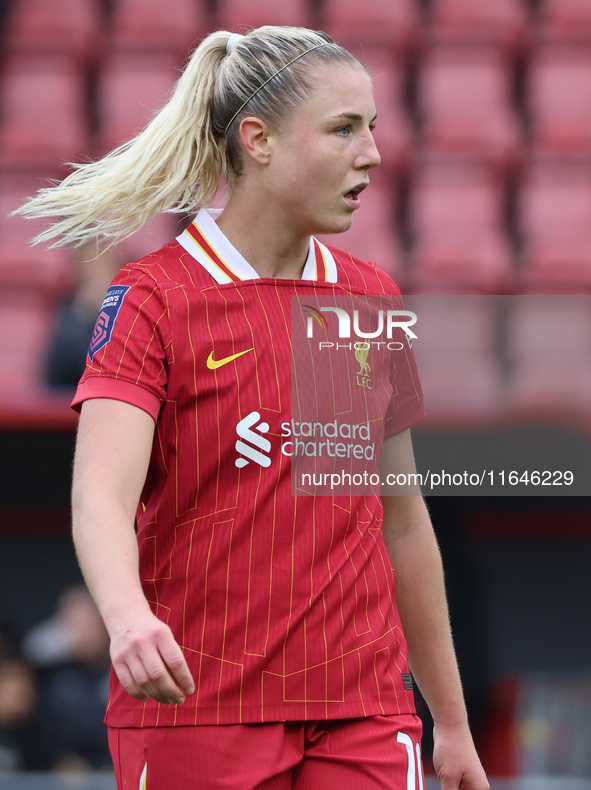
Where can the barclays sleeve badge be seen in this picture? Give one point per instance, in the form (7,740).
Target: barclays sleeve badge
(106,319)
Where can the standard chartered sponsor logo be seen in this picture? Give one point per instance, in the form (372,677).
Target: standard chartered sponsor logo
(250,437)
(314,439)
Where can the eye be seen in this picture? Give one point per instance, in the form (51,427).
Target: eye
(372,126)
(345,129)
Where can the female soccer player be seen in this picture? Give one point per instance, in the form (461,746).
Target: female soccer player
(255,639)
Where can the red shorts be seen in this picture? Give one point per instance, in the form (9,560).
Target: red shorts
(377,752)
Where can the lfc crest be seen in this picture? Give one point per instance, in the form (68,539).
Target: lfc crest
(363,374)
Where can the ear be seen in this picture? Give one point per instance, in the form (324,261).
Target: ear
(255,134)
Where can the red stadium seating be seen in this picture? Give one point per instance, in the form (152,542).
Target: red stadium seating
(153,235)
(555,218)
(25,332)
(465,102)
(373,235)
(560,97)
(550,348)
(43,109)
(550,326)
(457,219)
(455,352)
(567,16)
(175,24)
(237,15)
(504,21)
(393,134)
(395,22)
(23,266)
(131,87)
(64,26)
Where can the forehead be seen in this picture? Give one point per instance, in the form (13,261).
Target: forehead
(335,90)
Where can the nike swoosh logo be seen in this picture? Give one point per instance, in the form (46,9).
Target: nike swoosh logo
(213,364)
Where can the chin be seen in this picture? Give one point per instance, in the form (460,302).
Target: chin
(339,225)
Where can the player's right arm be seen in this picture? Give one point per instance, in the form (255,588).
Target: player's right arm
(113,450)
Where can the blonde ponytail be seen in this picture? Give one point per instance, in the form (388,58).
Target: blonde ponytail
(174,164)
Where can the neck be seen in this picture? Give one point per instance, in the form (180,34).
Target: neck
(263,235)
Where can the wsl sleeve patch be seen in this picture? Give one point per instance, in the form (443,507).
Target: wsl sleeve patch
(106,320)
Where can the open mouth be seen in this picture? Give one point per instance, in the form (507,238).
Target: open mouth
(353,194)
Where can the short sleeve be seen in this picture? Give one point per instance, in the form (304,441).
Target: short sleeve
(406,405)
(127,356)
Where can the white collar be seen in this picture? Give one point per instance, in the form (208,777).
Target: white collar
(205,241)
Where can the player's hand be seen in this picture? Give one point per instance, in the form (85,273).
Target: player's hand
(147,659)
(455,760)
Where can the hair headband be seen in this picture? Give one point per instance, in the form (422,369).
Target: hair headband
(324,44)
(232,42)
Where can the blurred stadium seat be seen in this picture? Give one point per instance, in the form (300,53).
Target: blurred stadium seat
(154,234)
(549,349)
(465,102)
(457,219)
(396,21)
(559,97)
(63,26)
(373,235)
(26,322)
(152,24)
(237,15)
(455,352)
(555,220)
(21,265)
(547,326)
(566,16)
(43,109)
(132,86)
(503,21)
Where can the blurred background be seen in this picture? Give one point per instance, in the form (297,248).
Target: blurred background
(483,195)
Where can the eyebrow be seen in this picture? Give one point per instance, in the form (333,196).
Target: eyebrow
(353,116)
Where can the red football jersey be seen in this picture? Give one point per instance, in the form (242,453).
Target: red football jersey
(283,605)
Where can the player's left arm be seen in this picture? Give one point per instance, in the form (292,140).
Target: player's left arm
(420,597)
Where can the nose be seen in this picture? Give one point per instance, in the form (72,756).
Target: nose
(369,156)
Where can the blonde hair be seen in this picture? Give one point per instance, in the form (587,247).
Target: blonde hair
(174,164)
